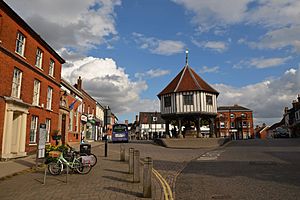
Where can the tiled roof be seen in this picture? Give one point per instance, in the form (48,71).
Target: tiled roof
(187,80)
(233,108)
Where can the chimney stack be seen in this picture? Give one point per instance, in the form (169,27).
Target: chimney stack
(79,83)
(136,118)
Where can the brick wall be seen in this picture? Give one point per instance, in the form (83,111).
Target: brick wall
(10,26)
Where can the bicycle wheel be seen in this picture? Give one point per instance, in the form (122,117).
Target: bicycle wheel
(80,167)
(93,159)
(55,168)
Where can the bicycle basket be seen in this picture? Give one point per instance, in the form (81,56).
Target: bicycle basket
(54,154)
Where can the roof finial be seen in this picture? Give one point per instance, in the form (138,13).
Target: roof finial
(186,57)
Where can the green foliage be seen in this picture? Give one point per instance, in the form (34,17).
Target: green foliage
(61,148)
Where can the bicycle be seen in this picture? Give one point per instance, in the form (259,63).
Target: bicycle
(77,164)
(92,157)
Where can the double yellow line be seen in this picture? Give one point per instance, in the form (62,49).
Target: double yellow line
(167,190)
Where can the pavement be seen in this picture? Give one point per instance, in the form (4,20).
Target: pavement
(109,179)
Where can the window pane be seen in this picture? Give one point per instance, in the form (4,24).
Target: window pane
(36,92)
(188,99)
(49,98)
(20,44)
(16,84)
(51,67)
(39,57)
(33,129)
(209,100)
(167,101)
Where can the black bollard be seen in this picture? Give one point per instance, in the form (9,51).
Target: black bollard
(105,148)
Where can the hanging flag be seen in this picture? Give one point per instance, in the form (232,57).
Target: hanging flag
(72,104)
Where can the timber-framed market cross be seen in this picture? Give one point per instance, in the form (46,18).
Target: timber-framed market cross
(188,100)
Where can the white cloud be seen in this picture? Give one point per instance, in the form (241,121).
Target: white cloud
(107,83)
(157,46)
(212,45)
(261,63)
(267,99)
(212,14)
(152,73)
(206,69)
(279,18)
(278,39)
(75,24)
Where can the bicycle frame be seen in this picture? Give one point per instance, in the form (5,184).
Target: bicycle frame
(64,161)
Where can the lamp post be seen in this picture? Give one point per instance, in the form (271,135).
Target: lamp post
(105,125)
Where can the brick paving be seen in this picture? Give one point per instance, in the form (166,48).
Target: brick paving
(109,179)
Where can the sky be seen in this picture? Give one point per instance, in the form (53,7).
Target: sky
(127,51)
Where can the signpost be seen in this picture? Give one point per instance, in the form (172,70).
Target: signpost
(41,143)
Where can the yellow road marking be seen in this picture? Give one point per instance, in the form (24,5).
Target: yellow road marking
(167,189)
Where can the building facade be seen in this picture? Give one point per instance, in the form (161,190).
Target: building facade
(292,118)
(151,125)
(30,73)
(188,99)
(70,110)
(235,122)
(88,123)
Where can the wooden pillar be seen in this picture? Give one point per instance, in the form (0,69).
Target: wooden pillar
(179,127)
(167,129)
(198,125)
(212,127)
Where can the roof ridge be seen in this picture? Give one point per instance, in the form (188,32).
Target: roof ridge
(176,88)
(193,77)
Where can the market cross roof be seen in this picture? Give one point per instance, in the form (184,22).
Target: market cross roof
(187,80)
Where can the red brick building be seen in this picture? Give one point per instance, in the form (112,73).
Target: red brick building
(30,74)
(70,110)
(235,122)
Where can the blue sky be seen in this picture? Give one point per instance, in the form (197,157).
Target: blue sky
(127,51)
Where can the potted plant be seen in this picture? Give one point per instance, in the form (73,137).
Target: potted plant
(56,136)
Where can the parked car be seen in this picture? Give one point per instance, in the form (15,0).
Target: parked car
(281,133)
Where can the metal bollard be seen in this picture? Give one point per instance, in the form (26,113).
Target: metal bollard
(136,166)
(147,183)
(122,153)
(105,148)
(131,150)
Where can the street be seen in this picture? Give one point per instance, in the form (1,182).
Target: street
(244,169)
(248,169)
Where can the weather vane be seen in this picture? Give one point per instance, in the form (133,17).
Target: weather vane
(186,56)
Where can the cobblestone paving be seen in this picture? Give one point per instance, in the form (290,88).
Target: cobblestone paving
(109,179)
(168,162)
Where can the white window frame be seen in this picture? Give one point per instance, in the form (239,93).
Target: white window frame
(16,83)
(39,58)
(71,116)
(49,98)
(36,92)
(232,116)
(222,125)
(33,129)
(51,67)
(20,44)
(48,129)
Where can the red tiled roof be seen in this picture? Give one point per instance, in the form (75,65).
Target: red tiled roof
(187,80)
